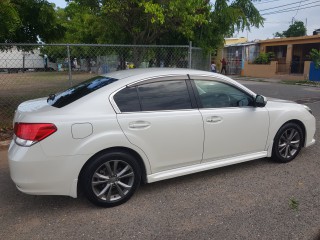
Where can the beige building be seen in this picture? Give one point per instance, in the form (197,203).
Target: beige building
(220,52)
(291,58)
(230,41)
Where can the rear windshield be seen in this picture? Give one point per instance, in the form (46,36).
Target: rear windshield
(70,95)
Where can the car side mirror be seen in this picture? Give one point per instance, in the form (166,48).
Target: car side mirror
(260,101)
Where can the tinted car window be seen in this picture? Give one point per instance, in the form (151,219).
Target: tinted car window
(72,94)
(127,100)
(166,95)
(218,95)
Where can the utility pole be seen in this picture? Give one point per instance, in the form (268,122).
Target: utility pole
(307,26)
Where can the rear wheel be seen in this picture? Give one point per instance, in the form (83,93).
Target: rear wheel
(287,143)
(111,179)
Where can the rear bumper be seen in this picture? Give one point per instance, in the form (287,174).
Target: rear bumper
(35,173)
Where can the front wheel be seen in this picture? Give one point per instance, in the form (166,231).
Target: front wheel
(111,179)
(287,143)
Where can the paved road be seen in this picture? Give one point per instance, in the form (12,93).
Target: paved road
(284,91)
(244,201)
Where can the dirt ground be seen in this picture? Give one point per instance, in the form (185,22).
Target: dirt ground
(5,134)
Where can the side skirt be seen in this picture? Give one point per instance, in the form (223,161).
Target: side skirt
(204,166)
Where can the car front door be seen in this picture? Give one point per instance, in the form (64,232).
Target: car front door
(160,118)
(233,126)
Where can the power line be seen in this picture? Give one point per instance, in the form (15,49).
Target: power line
(276,21)
(297,10)
(282,11)
(290,8)
(294,3)
(266,2)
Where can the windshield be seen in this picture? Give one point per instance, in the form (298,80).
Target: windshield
(72,94)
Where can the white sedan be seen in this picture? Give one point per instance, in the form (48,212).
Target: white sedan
(112,132)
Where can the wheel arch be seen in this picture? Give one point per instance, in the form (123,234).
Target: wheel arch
(117,149)
(300,124)
(276,130)
(275,153)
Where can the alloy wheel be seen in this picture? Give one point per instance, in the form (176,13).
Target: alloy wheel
(113,180)
(289,143)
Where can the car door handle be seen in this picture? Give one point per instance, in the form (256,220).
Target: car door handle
(139,125)
(214,119)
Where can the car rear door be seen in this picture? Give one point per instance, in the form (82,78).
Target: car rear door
(160,117)
(233,126)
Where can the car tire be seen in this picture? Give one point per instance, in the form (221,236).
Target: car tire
(287,142)
(110,179)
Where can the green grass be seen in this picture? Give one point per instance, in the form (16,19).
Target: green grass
(294,204)
(306,82)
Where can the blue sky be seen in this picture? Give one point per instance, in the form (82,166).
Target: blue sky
(304,10)
(59,3)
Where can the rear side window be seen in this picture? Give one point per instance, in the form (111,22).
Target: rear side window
(72,94)
(167,95)
(156,96)
(128,100)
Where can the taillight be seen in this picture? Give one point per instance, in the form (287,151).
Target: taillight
(28,134)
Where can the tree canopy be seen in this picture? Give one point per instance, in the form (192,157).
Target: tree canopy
(28,21)
(126,21)
(157,21)
(9,20)
(296,29)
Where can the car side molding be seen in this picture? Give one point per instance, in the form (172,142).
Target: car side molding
(204,166)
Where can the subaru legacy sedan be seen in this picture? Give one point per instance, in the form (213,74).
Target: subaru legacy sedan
(107,135)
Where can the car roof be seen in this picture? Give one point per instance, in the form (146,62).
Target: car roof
(132,75)
(153,72)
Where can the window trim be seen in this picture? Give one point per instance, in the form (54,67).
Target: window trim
(205,77)
(112,101)
(161,78)
(197,96)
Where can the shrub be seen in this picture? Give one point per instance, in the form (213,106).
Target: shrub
(315,57)
(264,58)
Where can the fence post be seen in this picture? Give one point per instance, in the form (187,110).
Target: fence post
(190,55)
(69,65)
(210,57)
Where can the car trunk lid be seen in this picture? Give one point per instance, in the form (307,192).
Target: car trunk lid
(35,106)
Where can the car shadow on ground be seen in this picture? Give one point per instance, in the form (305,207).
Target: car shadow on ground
(200,176)
(28,203)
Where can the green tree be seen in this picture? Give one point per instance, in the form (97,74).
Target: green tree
(315,57)
(27,21)
(296,29)
(156,22)
(9,20)
(162,21)
(81,24)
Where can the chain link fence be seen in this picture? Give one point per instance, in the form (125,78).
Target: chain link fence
(29,71)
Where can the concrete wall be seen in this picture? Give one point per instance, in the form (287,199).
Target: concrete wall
(260,70)
(270,71)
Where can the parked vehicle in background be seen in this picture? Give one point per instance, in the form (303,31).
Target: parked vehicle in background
(108,134)
(14,60)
